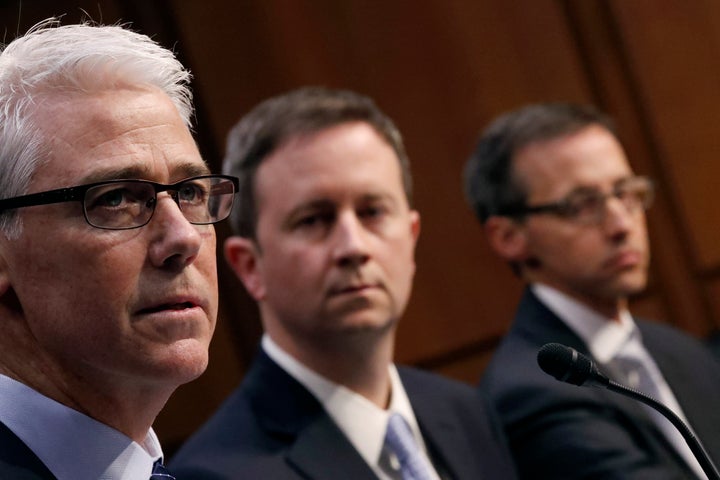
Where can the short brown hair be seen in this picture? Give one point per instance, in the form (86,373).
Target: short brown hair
(275,121)
(490,186)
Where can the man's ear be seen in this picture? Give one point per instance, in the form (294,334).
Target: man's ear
(507,238)
(415,224)
(243,256)
(4,269)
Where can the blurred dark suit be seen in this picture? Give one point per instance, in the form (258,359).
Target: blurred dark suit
(561,431)
(273,428)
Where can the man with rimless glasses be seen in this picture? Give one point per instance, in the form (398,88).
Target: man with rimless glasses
(108,290)
(559,202)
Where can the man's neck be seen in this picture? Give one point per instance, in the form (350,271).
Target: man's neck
(359,363)
(608,307)
(128,408)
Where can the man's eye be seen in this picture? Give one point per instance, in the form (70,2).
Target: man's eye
(110,198)
(192,193)
(371,212)
(308,221)
(315,220)
(117,196)
(630,193)
(583,204)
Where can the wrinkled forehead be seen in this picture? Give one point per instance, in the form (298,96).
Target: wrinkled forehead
(126,133)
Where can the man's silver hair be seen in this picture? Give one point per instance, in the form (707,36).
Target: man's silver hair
(53,60)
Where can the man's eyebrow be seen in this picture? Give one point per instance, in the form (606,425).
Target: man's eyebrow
(626,179)
(298,211)
(583,189)
(376,197)
(312,205)
(597,188)
(191,169)
(134,172)
(142,172)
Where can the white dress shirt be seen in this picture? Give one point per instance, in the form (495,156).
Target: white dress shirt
(606,339)
(362,422)
(72,445)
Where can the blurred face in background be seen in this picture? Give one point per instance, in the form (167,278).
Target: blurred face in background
(597,261)
(334,254)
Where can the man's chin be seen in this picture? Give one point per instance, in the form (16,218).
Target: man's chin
(365,322)
(629,287)
(184,361)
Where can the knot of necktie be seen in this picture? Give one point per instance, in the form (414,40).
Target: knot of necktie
(160,472)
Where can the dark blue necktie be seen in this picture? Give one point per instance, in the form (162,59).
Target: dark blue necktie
(160,472)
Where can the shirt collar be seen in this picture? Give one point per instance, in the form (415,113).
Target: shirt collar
(362,422)
(56,434)
(603,336)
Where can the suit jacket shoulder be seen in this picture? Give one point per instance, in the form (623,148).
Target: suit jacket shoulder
(17,461)
(557,430)
(693,373)
(271,427)
(460,426)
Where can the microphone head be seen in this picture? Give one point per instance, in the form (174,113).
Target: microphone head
(566,364)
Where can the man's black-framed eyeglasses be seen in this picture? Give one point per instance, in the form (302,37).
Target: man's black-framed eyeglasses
(588,206)
(126,204)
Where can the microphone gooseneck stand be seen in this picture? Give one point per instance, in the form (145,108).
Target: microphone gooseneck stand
(568,365)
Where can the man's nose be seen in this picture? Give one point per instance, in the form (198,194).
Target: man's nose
(618,217)
(175,240)
(350,241)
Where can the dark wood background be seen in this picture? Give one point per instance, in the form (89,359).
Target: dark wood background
(442,69)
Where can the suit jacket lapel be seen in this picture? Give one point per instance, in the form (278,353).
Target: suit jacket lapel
(699,403)
(441,431)
(449,449)
(537,322)
(324,453)
(18,461)
(287,410)
(541,325)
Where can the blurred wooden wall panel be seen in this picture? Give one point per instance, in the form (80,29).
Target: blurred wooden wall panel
(612,74)
(675,52)
(443,70)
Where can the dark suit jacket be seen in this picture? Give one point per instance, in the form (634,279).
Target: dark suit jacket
(561,431)
(273,428)
(17,461)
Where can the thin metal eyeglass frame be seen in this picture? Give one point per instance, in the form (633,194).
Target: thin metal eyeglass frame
(77,193)
(562,207)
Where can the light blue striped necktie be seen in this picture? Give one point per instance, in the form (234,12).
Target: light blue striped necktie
(399,439)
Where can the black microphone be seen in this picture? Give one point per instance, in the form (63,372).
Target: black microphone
(568,365)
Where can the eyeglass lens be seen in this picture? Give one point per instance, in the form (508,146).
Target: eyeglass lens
(590,207)
(131,204)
